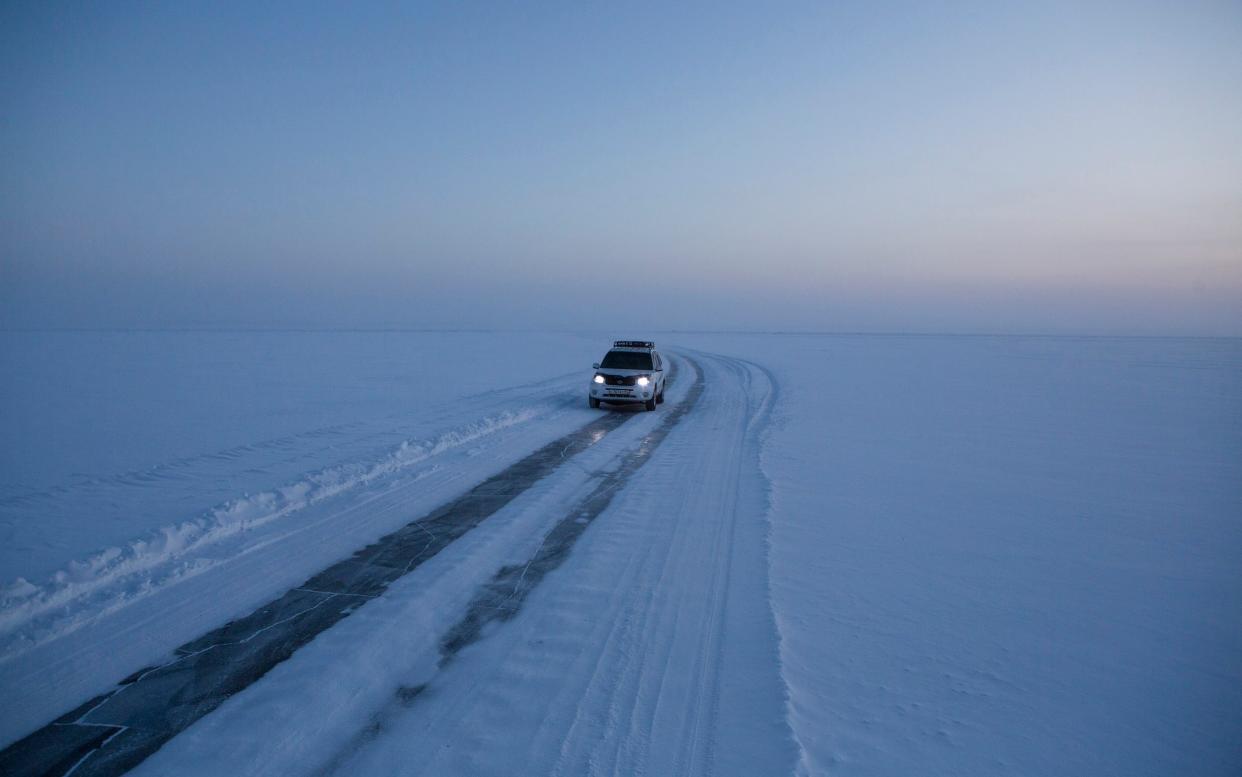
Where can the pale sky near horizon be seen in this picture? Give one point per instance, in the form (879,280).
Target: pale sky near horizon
(975,167)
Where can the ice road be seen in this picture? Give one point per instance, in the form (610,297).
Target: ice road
(823,555)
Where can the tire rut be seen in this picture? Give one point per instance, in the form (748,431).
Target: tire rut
(501,598)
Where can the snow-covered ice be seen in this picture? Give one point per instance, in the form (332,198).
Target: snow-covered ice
(863,555)
(998,555)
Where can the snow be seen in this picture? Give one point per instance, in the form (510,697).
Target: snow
(856,555)
(1007,555)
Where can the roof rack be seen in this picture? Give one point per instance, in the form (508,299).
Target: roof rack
(633,344)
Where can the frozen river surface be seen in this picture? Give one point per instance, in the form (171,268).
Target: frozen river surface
(865,555)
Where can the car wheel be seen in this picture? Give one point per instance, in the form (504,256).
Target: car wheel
(650,404)
(594,402)
(660,397)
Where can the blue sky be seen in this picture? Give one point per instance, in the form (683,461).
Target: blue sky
(1051,167)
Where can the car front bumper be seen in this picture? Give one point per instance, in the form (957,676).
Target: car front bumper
(622,395)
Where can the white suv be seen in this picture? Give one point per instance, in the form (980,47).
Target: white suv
(631,373)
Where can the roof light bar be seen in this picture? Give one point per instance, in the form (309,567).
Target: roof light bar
(633,344)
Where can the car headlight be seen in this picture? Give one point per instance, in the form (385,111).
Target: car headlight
(643,381)
(599,378)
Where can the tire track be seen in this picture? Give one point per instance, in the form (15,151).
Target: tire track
(502,597)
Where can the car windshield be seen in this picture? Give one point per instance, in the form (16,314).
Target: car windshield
(626,360)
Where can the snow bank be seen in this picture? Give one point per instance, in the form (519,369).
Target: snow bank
(110,436)
(32,613)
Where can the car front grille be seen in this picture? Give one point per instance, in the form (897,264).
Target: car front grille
(620,380)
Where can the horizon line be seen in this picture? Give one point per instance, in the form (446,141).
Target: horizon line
(498,330)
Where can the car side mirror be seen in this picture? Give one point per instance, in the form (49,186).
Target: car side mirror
(595,366)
